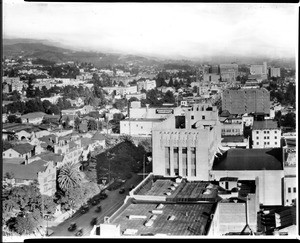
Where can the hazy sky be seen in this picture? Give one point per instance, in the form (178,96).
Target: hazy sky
(167,29)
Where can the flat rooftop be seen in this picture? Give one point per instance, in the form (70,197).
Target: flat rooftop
(233,139)
(249,159)
(174,219)
(183,191)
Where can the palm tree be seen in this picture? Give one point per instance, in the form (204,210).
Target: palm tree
(69,176)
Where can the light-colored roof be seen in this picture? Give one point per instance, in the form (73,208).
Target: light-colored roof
(33,115)
(23,148)
(98,136)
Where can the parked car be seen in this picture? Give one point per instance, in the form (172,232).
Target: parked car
(72,226)
(84,209)
(95,202)
(98,209)
(122,190)
(79,232)
(94,221)
(103,195)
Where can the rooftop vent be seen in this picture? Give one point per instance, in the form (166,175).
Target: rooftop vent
(171,218)
(130,232)
(137,216)
(157,211)
(160,206)
(172,188)
(149,223)
(207,191)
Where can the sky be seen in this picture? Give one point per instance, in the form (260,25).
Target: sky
(159,29)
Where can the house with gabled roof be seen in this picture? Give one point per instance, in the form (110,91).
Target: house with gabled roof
(24,150)
(40,170)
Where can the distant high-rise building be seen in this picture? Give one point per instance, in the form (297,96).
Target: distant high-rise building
(243,101)
(214,69)
(259,69)
(229,72)
(274,72)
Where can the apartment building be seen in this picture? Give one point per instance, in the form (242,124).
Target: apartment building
(266,134)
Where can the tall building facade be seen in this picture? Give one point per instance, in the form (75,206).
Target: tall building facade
(185,145)
(229,72)
(243,101)
(259,69)
(274,72)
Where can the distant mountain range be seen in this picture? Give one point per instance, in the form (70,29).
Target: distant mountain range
(56,52)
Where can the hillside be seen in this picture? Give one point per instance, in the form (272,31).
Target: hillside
(31,49)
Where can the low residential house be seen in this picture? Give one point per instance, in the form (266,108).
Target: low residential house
(25,151)
(40,170)
(77,102)
(21,135)
(98,140)
(70,147)
(52,119)
(33,118)
(87,109)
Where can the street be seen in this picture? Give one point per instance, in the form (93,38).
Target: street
(109,206)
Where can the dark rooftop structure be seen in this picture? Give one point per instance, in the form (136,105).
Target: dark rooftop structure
(232,139)
(181,219)
(266,124)
(23,148)
(250,159)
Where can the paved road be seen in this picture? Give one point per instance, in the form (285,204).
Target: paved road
(109,206)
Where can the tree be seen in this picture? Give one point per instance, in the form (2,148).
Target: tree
(69,176)
(76,123)
(14,119)
(24,225)
(66,122)
(169,97)
(92,124)
(6,145)
(54,109)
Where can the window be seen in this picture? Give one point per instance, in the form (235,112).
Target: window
(275,131)
(268,137)
(203,117)
(275,143)
(184,161)
(289,190)
(268,132)
(9,155)
(294,190)
(275,137)
(265,132)
(257,143)
(141,127)
(167,160)
(264,137)
(192,117)
(257,132)
(257,138)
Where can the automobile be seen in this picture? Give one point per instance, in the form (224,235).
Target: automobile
(94,221)
(122,190)
(84,209)
(95,202)
(98,209)
(103,195)
(72,226)
(79,232)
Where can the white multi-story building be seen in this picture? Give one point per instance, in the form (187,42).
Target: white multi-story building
(266,134)
(274,72)
(147,85)
(119,90)
(185,145)
(138,127)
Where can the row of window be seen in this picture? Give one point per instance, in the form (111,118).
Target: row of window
(266,137)
(290,189)
(192,117)
(266,132)
(266,143)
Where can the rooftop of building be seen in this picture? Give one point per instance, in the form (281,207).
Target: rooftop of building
(17,161)
(145,119)
(153,218)
(33,115)
(25,172)
(179,191)
(23,148)
(232,139)
(249,159)
(266,124)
